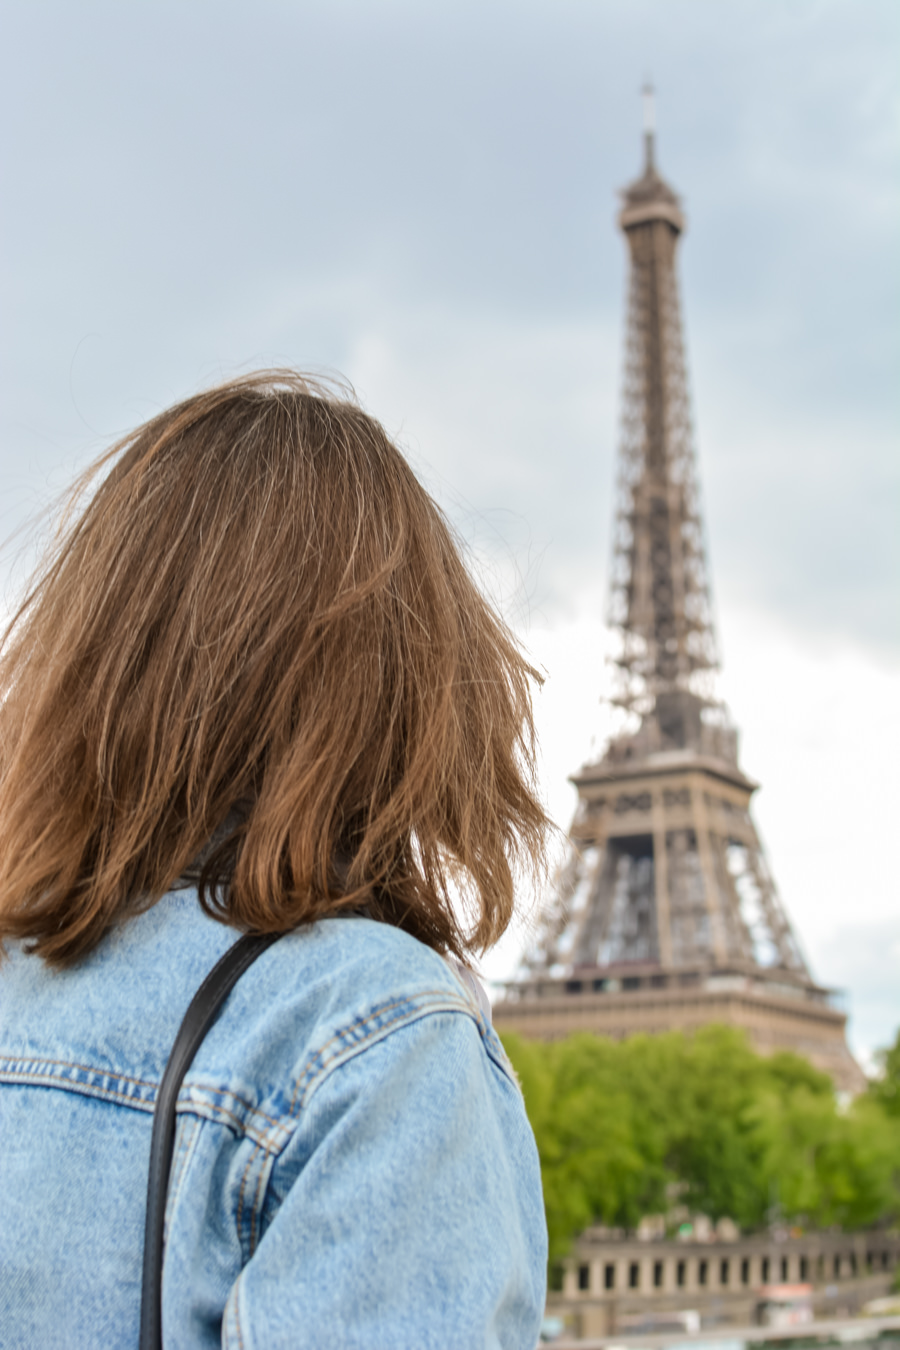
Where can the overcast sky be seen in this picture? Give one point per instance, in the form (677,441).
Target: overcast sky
(421,196)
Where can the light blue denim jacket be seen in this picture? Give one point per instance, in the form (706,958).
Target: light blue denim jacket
(353,1166)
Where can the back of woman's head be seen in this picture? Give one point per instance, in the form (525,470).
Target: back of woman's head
(261,608)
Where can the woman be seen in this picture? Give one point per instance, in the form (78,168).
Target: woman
(254,689)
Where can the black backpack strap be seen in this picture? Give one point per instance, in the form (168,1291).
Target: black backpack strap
(204,1009)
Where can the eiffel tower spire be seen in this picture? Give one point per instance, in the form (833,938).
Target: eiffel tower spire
(660,595)
(665,912)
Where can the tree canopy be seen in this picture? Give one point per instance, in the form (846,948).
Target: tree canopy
(623,1126)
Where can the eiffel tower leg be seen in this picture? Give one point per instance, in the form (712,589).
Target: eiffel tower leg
(661,871)
(739,941)
(710,887)
(782,938)
(594,926)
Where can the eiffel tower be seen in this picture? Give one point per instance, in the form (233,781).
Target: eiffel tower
(664,914)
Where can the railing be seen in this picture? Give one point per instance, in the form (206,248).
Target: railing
(862,1333)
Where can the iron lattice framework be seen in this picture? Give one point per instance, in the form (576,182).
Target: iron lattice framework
(659,595)
(665,866)
(664,912)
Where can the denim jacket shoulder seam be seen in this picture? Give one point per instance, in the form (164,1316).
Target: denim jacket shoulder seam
(137,1094)
(249,1122)
(87,1080)
(494,1049)
(270,1128)
(367,1030)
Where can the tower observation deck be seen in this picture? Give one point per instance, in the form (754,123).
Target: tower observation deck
(664,914)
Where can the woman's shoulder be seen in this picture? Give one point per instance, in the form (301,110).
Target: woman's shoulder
(345,981)
(342,964)
(329,992)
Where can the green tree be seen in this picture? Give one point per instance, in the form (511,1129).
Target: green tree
(886,1089)
(789,1130)
(859,1168)
(618,1124)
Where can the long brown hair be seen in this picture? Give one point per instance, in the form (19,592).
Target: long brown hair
(260,607)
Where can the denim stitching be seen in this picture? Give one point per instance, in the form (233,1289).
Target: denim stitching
(238,1294)
(263,1174)
(196,1085)
(342,1046)
(245,1126)
(245,1246)
(231,1321)
(179,1166)
(100,1084)
(320,1062)
(203,1102)
(415,1014)
(28,1068)
(9,1065)
(237,1314)
(28,1072)
(498,1056)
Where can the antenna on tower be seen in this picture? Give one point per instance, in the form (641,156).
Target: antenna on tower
(648,96)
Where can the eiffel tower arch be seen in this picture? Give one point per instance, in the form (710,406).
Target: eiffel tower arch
(664,914)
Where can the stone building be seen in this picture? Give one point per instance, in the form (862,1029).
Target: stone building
(613,1283)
